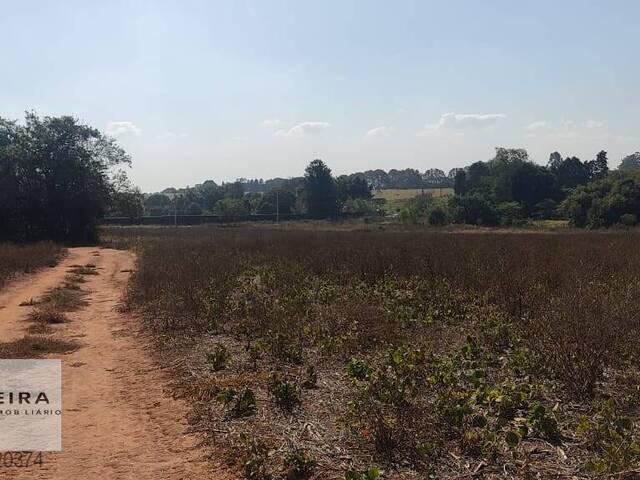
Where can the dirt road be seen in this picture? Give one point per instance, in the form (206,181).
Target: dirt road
(119,420)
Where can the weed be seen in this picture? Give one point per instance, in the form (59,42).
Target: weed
(254,462)
(371,473)
(218,358)
(284,392)
(83,270)
(34,347)
(298,465)
(613,440)
(47,316)
(310,379)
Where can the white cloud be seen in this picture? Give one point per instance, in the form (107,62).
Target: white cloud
(538,125)
(118,129)
(378,132)
(566,129)
(305,129)
(271,123)
(173,135)
(464,122)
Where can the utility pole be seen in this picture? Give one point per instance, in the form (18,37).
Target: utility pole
(175,211)
(277,206)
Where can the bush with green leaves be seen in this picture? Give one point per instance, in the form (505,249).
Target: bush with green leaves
(613,439)
(298,465)
(218,358)
(371,473)
(254,460)
(284,391)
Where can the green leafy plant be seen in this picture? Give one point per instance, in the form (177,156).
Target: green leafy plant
(298,465)
(286,349)
(359,369)
(244,401)
(284,392)
(371,473)
(613,440)
(254,461)
(218,358)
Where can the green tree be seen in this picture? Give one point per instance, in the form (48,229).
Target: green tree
(282,200)
(56,178)
(598,168)
(630,162)
(320,190)
(460,182)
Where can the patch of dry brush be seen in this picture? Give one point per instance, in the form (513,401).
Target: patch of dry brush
(318,354)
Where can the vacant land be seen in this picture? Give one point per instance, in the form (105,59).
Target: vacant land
(16,259)
(395,198)
(321,354)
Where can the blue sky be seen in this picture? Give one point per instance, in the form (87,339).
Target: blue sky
(225,89)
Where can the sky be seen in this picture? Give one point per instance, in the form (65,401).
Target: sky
(197,90)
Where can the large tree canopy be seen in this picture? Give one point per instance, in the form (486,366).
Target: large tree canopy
(320,189)
(55,178)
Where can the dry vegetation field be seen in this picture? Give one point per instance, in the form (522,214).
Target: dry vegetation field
(363,355)
(16,259)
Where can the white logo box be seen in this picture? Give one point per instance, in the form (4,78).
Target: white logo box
(30,406)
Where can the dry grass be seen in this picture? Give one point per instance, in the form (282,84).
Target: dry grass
(83,270)
(34,346)
(39,328)
(66,298)
(16,259)
(47,316)
(450,355)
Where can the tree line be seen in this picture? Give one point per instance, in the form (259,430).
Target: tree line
(59,177)
(317,194)
(510,189)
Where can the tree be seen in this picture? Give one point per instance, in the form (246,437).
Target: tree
(126,199)
(56,178)
(604,202)
(474,209)
(598,168)
(531,184)
(274,201)
(555,160)
(435,177)
(352,186)
(630,162)
(231,207)
(571,172)
(460,182)
(320,190)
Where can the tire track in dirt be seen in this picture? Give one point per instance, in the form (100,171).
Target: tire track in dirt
(119,420)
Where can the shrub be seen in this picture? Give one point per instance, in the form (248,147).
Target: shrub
(218,358)
(310,380)
(284,392)
(371,473)
(298,465)
(254,459)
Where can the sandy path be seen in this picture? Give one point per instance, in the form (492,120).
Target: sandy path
(119,419)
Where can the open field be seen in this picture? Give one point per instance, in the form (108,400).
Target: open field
(395,198)
(16,259)
(429,355)
(395,194)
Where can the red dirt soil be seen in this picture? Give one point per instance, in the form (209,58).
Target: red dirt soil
(119,421)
